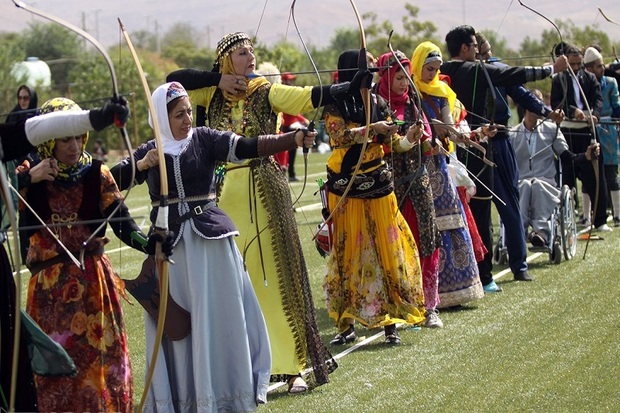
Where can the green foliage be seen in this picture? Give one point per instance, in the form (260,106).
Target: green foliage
(143,39)
(61,49)
(413,32)
(10,54)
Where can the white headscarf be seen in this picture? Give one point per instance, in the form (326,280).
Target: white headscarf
(161,97)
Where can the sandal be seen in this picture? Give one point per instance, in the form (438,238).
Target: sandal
(296,385)
(346,337)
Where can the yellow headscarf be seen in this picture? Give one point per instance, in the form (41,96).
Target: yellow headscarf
(67,173)
(435,87)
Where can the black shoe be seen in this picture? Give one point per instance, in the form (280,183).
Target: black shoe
(346,337)
(537,240)
(523,276)
(293,179)
(391,335)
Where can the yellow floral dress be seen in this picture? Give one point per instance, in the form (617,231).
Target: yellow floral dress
(373,272)
(80,310)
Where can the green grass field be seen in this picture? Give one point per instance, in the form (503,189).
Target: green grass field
(551,345)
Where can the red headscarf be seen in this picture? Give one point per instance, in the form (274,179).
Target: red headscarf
(388,67)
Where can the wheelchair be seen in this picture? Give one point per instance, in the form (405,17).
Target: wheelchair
(563,239)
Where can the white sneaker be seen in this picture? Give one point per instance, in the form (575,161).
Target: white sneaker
(432,319)
(604,228)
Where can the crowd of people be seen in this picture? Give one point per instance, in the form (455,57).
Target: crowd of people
(418,156)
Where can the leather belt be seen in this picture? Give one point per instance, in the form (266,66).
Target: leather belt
(197,210)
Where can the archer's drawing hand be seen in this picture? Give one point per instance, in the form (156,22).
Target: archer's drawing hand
(384,128)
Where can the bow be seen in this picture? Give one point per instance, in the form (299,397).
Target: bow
(161,223)
(594,160)
(593,127)
(8,201)
(124,135)
(311,126)
(613,48)
(493,106)
(414,88)
(362,64)
(563,80)
(418,96)
(115,96)
(607,18)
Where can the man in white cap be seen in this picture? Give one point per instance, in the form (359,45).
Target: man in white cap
(607,132)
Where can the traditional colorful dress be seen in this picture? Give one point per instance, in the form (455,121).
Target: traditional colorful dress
(373,272)
(256,196)
(459,280)
(80,309)
(223,364)
(411,184)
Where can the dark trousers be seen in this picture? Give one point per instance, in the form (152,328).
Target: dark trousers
(578,142)
(506,187)
(480,206)
(503,181)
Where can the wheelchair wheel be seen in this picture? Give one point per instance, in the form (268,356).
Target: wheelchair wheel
(568,224)
(499,256)
(555,254)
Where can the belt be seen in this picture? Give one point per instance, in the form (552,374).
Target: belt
(187,199)
(194,212)
(63,257)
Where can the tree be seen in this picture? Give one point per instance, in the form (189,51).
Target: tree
(413,32)
(11,54)
(143,39)
(61,48)
(179,44)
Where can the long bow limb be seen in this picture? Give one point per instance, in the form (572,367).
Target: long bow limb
(311,126)
(99,47)
(161,223)
(416,93)
(8,201)
(607,18)
(593,127)
(115,95)
(594,160)
(362,64)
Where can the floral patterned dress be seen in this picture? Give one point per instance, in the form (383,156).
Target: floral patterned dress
(81,310)
(373,272)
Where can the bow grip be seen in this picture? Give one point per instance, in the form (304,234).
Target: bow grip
(311,129)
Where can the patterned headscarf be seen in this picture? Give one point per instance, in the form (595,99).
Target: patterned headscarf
(427,52)
(163,95)
(224,64)
(68,173)
(388,67)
